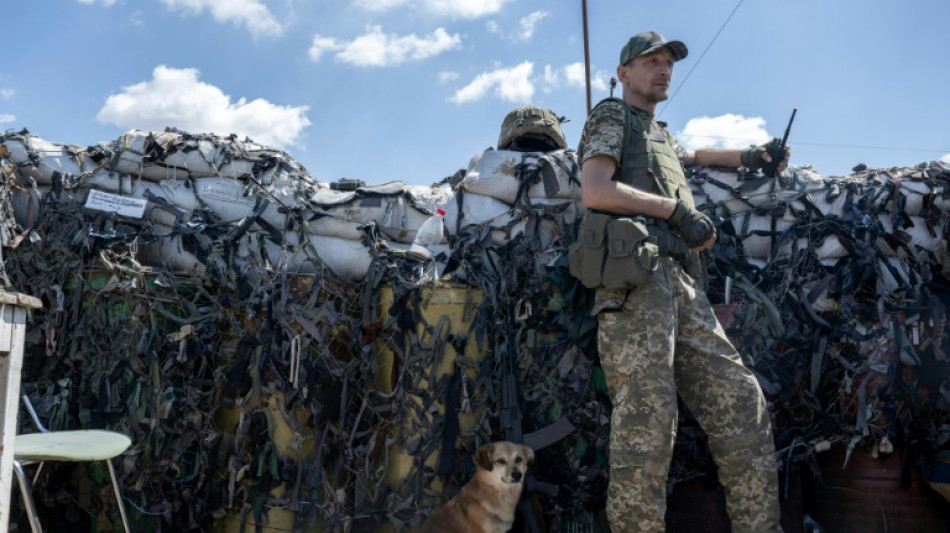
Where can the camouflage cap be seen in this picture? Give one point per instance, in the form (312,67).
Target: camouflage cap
(648,42)
(531,128)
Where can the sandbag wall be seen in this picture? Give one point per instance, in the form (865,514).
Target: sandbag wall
(235,282)
(205,294)
(836,292)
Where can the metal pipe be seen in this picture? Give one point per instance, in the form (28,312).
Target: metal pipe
(586,53)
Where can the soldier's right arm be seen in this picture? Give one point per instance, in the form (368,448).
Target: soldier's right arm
(600,148)
(599,191)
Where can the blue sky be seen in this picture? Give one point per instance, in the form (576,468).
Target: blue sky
(410,90)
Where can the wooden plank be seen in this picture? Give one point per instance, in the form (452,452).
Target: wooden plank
(12,317)
(20,299)
(6,332)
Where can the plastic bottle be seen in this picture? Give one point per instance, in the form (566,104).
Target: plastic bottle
(428,235)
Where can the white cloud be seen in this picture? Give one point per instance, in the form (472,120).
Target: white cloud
(6,118)
(572,75)
(509,84)
(724,131)
(176,97)
(252,14)
(530,23)
(377,49)
(105,3)
(516,84)
(458,9)
(945,158)
(322,45)
(447,76)
(576,76)
(466,9)
(379,5)
(493,26)
(6,93)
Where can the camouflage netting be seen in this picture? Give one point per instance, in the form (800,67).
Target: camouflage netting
(277,358)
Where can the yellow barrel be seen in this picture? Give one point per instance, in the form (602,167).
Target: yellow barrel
(298,444)
(456,304)
(288,443)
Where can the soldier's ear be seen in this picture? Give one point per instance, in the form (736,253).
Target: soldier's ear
(622,74)
(483,456)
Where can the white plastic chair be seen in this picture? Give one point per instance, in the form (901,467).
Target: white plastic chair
(72,446)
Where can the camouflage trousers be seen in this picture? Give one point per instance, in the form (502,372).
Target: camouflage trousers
(655,342)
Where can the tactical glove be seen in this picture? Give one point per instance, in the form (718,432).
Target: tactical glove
(695,227)
(751,158)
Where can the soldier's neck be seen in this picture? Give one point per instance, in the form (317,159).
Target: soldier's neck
(641,104)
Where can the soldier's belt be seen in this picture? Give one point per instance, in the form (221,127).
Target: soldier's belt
(669,243)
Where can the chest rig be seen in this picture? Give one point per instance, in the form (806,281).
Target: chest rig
(648,161)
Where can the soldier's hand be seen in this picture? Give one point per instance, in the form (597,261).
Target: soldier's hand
(784,164)
(694,226)
(754,157)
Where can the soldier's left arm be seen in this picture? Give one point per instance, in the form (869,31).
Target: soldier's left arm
(724,157)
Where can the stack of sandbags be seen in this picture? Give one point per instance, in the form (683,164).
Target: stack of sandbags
(200,200)
(507,190)
(893,214)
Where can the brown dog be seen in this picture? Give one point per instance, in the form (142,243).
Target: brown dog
(487,503)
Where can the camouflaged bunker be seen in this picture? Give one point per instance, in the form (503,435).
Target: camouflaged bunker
(281,364)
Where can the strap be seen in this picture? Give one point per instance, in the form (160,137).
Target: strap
(450,428)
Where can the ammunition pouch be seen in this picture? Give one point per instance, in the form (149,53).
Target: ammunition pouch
(613,252)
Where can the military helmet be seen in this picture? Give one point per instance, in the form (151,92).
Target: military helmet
(531,129)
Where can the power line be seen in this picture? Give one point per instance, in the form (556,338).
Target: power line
(892,148)
(701,56)
(829,145)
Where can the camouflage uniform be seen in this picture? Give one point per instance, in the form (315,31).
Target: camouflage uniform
(661,340)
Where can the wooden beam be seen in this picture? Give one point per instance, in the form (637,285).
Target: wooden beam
(13,312)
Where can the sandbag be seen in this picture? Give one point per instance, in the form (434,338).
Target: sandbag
(38,160)
(499,174)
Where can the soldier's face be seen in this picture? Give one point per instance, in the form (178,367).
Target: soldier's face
(646,79)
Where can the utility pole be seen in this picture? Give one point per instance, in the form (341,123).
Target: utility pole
(586,53)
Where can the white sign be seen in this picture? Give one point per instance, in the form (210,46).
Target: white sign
(113,203)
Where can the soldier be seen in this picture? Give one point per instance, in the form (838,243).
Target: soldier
(662,338)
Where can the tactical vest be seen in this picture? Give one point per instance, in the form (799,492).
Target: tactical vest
(648,161)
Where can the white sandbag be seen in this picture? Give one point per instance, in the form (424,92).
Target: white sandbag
(165,251)
(397,210)
(829,200)
(349,259)
(830,249)
(496,173)
(28,202)
(916,192)
(894,278)
(728,192)
(26,206)
(921,235)
(203,157)
(332,226)
(49,157)
(129,151)
(758,235)
(476,210)
(177,155)
(232,200)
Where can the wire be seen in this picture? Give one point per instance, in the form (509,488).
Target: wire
(701,56)
(829,145)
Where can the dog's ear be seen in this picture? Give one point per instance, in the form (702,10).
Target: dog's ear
(528,453)
(483,456)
